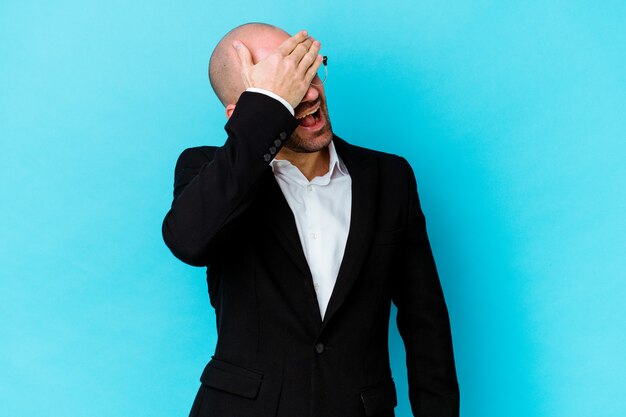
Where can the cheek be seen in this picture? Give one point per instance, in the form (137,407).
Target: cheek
(324,113)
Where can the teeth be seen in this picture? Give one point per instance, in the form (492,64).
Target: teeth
(306,114)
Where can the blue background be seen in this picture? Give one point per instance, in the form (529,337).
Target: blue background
(512,113)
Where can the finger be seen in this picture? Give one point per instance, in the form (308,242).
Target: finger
(245,58)
(300,50)
(289,45)
(309,58)
(312,71)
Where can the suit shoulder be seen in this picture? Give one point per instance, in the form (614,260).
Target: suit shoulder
(395,169)
(392,167)
(195,156)
(386,157)
(388,162)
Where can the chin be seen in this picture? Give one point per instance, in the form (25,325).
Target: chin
(308,144)
(313,139)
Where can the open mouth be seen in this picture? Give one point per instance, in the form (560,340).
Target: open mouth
(311,117)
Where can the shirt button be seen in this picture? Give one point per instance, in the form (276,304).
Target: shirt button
(309,187)
(267,157)
(319,348)
(283,135)
(277,142)
(272,150)
(313,235)
(316,286)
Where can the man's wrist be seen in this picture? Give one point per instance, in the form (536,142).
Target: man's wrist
(274,96)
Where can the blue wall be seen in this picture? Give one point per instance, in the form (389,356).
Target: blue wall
(512,113)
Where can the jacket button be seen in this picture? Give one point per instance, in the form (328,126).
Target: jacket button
(267,157)
(283,135)
(278,142)
(272,150)
(319,348)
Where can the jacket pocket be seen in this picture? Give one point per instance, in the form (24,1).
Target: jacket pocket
(232,378)
(380,398)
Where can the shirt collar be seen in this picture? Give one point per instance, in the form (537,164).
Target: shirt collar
(336,167)
(335,161)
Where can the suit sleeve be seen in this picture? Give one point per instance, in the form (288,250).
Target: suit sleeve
(422,319)
(209,193)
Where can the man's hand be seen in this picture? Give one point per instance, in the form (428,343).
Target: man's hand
(286,71)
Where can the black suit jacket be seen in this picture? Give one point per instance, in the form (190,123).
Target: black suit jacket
(275,356)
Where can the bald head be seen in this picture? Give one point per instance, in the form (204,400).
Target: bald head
(224,67)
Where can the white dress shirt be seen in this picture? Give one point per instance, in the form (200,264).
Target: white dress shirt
(274,96)
(321,208)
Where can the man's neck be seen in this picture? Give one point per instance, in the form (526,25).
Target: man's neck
(311,165)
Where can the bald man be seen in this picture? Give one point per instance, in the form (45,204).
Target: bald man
(307,241)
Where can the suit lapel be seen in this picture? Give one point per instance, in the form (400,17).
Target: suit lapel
(282,224)
(363,172)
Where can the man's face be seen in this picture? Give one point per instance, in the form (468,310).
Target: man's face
(314,132)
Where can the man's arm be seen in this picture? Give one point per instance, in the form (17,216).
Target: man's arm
(208,198)
(423,321)
(223,188)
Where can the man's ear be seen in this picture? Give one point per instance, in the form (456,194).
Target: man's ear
(229,110)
